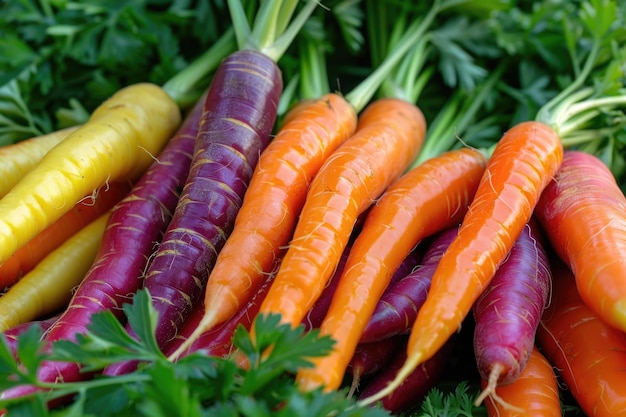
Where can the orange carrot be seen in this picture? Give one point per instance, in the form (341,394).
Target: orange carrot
(534,393)
(583,212)
(521,166)
(84,212)
(431,197)
(271,205)
(589,354)
(389,135)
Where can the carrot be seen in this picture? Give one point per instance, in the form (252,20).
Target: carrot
(134,228)
(316,314)
(388,138)
(83,212)
(239,113)
(271,205)
(12,334)
(276,194)
(508,311)
(218,341)
(415,387)
(534,393)
(369,358)
(117,143)
(523,162)
(49,286)
(588,353)
(430,198)
(17,159)
(397,308)
(583,211)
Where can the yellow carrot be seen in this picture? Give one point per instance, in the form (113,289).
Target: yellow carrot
(49,286)
(18,159)
(118,142)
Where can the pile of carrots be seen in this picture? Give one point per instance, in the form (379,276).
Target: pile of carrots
(329,220)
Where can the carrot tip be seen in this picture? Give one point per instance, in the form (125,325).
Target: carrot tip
(409,366)
(619,314)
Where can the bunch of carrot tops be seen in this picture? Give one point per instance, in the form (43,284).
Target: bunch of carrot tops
(359,208)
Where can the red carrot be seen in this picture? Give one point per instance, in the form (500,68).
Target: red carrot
(583,212)
(14,332)
(397,308)
(588,353)
(430,198)
(508,311)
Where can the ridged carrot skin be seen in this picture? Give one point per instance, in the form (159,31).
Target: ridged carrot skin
(238,117)
(135,226)
(389,134)
(589,354)
(18,159)
(272,203)
(397,308)
(432,197)
(508,311)
(219,340)
(535,393)
(83,213)
(522,164)
(49,286)
(117,143)
(583,212)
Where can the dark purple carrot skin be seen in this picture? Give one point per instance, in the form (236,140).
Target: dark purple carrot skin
(370,358)
(412,391)
(218,342)
(238,117)
(316,314)
(136,225)
(508,311)
(398,306)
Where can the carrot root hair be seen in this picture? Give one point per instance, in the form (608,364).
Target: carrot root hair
(409,366)
(490,390)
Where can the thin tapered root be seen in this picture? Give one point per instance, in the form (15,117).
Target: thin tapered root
(204,325)
(492,383)
(409,366)
(490,391)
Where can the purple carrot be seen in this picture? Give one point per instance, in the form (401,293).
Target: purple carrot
(136,225)
(508,311)
(13,333)
(415,386)
(370,358)
(238,117)
(316,314)
(218,341)
(398,306)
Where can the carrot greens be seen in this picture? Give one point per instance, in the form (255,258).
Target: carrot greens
(60,60)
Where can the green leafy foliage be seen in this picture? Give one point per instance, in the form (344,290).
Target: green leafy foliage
(196,385)
(61,59)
